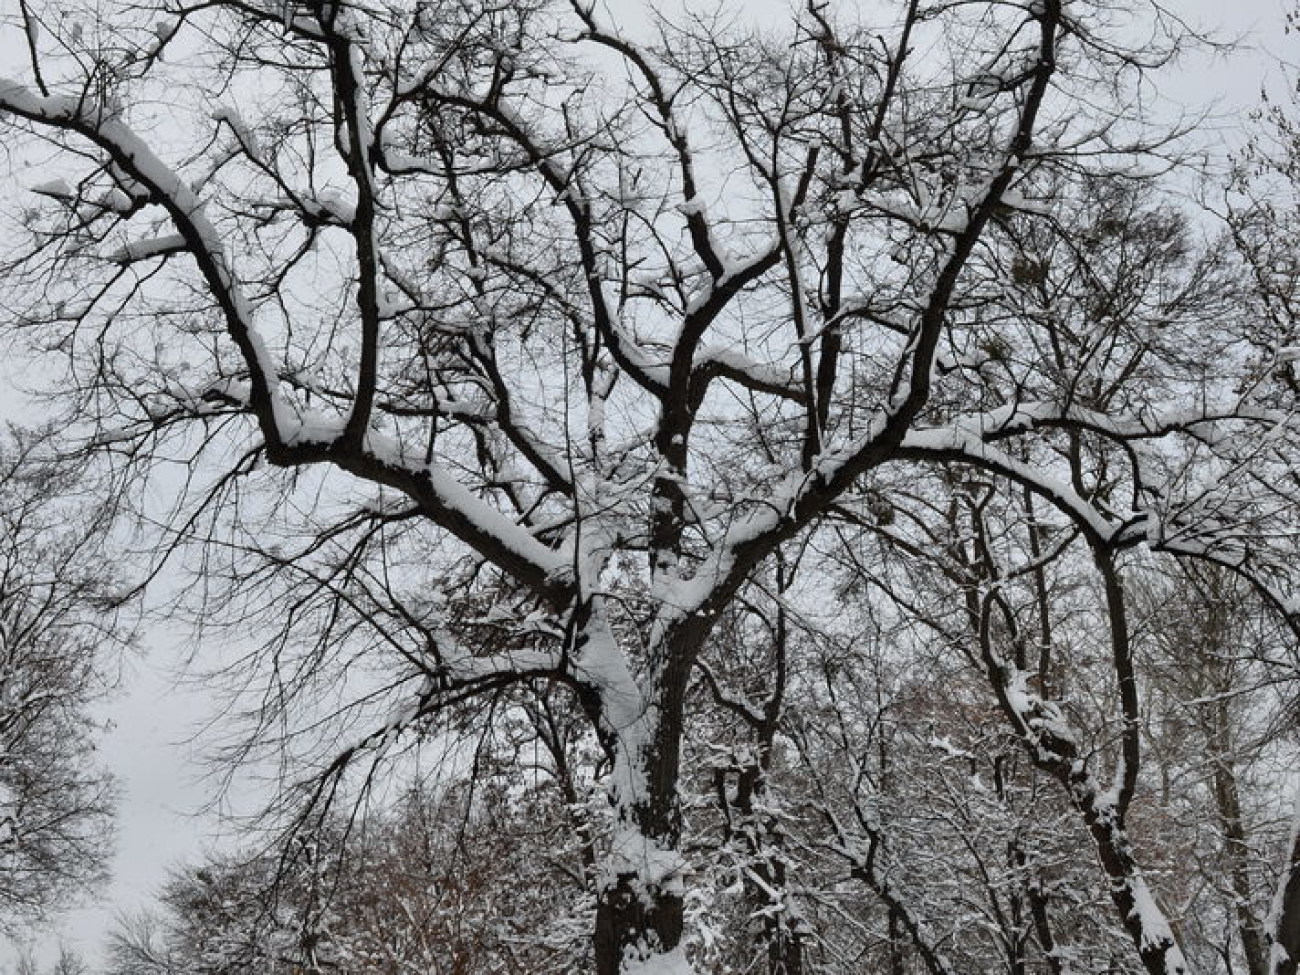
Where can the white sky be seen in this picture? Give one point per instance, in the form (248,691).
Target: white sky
(152,719)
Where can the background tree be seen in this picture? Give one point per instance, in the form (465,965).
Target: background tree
(444,882)
(59,629)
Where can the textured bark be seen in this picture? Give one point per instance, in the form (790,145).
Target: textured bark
(629,920)
(1286,934)
(637,913)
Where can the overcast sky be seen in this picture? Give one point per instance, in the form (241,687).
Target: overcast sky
(153,720)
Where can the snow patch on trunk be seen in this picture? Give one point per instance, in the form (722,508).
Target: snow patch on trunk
(673,963)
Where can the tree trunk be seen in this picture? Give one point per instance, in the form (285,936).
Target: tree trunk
(1286,930)
(639,905)
(765,889)
(1235,849)
(1138,911)
(635,921)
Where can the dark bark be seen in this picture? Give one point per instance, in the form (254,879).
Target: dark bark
(636,915)
(761,839)
(1042,924)
(897,945)
(629,919)
(1287,933)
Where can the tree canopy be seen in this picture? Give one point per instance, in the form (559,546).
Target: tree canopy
(766,456)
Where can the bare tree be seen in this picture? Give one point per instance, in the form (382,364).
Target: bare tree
(445,882)
(58,629)
(495,346)
(1215,712)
